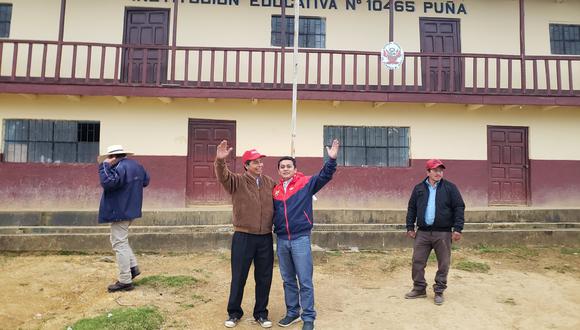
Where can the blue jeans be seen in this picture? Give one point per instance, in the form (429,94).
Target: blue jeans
(295,259)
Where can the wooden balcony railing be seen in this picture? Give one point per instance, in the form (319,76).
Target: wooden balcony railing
(98,64)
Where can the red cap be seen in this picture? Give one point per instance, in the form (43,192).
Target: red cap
(433,163)
(251,154)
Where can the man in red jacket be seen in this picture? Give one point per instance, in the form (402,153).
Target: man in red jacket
(292,224)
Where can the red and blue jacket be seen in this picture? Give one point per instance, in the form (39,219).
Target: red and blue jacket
(293,208)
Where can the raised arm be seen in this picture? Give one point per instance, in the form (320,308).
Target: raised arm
(321,179)
(228,179)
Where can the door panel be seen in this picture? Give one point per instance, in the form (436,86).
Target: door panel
(204,137)
(508,165)
(440,36)
(145,27)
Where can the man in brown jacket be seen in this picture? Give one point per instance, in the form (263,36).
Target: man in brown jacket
(253,210)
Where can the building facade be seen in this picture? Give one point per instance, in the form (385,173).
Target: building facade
(490,87)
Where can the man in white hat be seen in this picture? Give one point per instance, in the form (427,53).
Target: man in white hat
(122,180)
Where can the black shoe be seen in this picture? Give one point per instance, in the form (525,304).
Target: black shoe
(264,322)
(118,286)
(288,321)
(231,322)
(308,325)
(135,272)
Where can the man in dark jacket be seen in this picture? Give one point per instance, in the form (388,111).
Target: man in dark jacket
(252,241)
(122,180)
(436,207)
(292,224)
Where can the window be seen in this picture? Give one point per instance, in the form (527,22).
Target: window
(370,146)
(50,141)
(312,32)
(565,39)
(5,17)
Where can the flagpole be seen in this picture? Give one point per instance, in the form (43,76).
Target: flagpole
(295,76)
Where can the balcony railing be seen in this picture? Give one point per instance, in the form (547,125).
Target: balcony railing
(98,64)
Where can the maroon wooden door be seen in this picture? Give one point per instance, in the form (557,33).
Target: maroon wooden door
(145,26)
(440,36)
(203,138)
(508,165)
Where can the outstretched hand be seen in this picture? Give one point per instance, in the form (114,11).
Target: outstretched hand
(222,150)
(333,151)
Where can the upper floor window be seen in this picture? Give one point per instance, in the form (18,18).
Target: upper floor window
(51,141)
(312,32)
(370,146)
(565,39)
(5,17)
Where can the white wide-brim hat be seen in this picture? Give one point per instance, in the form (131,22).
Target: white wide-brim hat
(115,149)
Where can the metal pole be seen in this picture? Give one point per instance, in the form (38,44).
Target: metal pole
(523,45)
(295,77)
(391,20)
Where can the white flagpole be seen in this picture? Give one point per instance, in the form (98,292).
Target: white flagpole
(295,76)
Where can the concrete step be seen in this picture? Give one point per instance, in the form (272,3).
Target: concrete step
(16,230)
(223,216)
(199,238)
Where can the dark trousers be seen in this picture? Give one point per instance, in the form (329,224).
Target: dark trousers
(245,249)
(425,241)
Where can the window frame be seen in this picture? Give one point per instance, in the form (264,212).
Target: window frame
(35,137)
(7,22)
(365,140)
(568,46)
(302,35)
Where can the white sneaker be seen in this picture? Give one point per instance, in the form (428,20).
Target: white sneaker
(231,322)
(264,322)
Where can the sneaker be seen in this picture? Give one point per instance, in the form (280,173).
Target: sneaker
(264,322)
(118,286)
(439,299)
(135,272)
(288,321)
(308,325)
(414,294)
(231,322)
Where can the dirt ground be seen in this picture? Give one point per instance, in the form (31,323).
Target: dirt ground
(524,289)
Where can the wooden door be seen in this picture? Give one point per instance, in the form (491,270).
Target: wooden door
(204,137)
(145,26)
(440,36)
(508,165)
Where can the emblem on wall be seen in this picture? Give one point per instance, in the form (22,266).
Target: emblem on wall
(392,55)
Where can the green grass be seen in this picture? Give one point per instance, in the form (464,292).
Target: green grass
(490,249)
(142,318)
(472,266)
(567,250)
(157,281)
(334,253)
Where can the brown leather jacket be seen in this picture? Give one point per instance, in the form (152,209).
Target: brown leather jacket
(253,205)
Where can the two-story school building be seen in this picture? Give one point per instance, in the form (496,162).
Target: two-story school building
(490,87)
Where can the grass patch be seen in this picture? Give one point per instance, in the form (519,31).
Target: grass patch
(472,266)
(562,269)
(201,298)
(432,257)
(334,253)
(490,249)
(167,281)
(567,250)
(142,318)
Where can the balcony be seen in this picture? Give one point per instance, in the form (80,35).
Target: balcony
(83,68)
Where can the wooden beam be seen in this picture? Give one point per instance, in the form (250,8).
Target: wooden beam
(121,99)
(254,101)
(378,104)
(165,100)
(429,105)
(473,107)
(335,103)
(29,96)
(211,99)
(75,98)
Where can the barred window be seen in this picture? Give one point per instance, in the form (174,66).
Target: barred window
(50,141)
(369,146)
(312,32)
(5,18)
(565,39)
